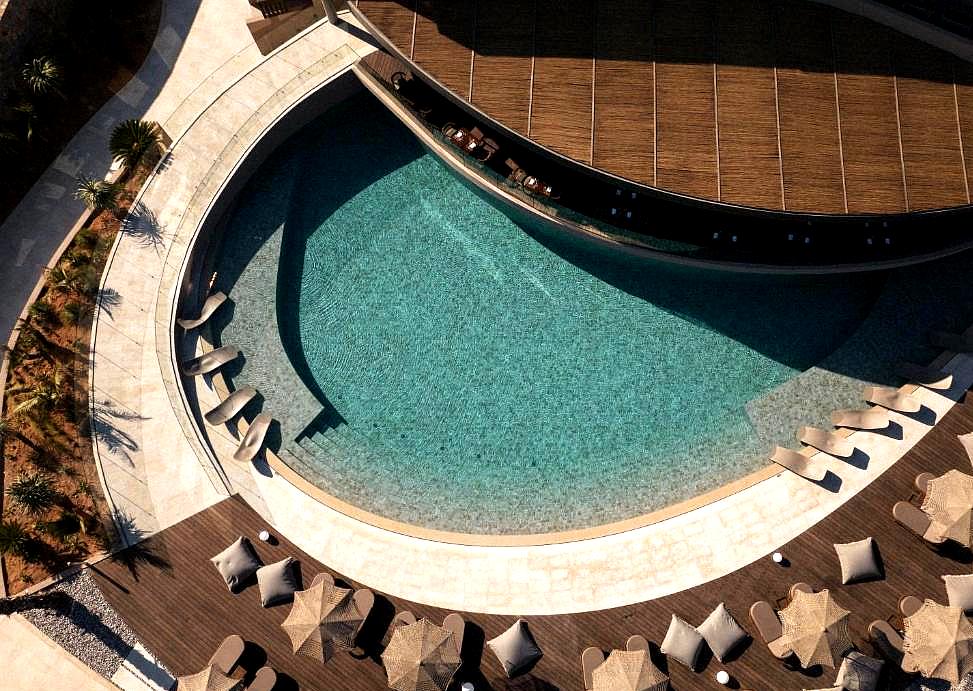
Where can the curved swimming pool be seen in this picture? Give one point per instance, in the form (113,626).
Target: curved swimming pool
(434,361)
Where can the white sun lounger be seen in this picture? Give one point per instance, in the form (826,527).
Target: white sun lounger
(826,441)
(893,399)
(798,463)
(253,439)
(875,418)
(212,304)
(930,377)
(955,342)
(233,404)
(211,361)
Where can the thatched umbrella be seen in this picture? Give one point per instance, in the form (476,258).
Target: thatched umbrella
(421,657)
(949,503)
(210,679)
(939,642)
(323,619)
(816,628)
(628,670)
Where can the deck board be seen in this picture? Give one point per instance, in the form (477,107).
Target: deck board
(172,582)
(444,43)
(393,18)
(502,65)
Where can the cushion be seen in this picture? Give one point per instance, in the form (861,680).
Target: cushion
(515,648)
(237,563)
(683,643)
(858,561)
(959,591)
(858,672)
(277,582)
(721,632)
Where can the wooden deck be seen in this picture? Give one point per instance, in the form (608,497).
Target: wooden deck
(173,598)
(776,104)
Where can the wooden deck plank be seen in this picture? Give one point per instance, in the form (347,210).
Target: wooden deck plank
(393,18)
(685,98)
(747,105)
(171,582)
(563,77)
(502,64)
(930,133)
(808,110)
(869,124)
(444,43)
(624,119)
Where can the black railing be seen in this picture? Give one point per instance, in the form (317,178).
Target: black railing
(272,8)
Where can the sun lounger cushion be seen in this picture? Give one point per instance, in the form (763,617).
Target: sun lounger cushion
(237,563)
(277,582)
(859,672)
(683,643)
(959,591)
(515,648)
(721,632)
(858,560)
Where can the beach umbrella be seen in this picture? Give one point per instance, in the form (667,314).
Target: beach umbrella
(323,619)
(939,642)
(210,679)
(421,657)
(626,670)
(816,628)
(949,503)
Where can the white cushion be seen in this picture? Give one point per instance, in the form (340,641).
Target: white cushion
(683,643)
(721,632)
(237,563)
(277,582)
(959,591)
(515,648)
(858,561)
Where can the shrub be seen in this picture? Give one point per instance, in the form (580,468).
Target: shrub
(34,493)
(133,140)
(13,538)
(100,195)
(42,76)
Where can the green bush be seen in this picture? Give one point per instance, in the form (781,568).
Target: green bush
(13,538)
(34,493)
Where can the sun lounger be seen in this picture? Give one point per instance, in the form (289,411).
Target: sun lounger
(253,439)
(212,304)
(799,463)
(930,377)
(887,641)
(799,587)
(922,481)
(230,406)
(264,680)
(590,659)
(826,441)
(909,605)
(636,643)
(364,601)
(228,655)
(404,618)
(953,342)
(768,625)
(875,418)
(455,625)
(915,520)
(893,399)
(211,361)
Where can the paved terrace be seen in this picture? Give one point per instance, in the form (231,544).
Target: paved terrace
(782,105)
(168,581)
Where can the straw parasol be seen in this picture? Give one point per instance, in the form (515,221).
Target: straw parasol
(939,642)
(816,628)
(421,657)
(949,503)
(210,679)
(626,670)
(323,619)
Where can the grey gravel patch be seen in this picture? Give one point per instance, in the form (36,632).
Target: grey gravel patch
(76,615)
(965,684)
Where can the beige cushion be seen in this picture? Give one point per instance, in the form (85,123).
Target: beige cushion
(858,672)
(959,591)
(721,632)
(683,643)
(858,561)
(277,582)
(515,648)
(237,563)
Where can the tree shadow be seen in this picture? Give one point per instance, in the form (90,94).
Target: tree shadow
(104,426)
(108,300)
(142,225)
(140,552)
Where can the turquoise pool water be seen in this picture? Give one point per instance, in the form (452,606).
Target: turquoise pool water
(480,374)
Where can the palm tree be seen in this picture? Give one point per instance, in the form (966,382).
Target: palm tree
(43,312)
(132,140)
(27,109)
(75,313)
(34,493)
(98,194)
(7,429)
(13,537)
(42,396)
(43,76)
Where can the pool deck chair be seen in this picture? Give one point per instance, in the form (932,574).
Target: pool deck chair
(798,463)
(455,625)
(887,641)
(875,418)
(212,304)
(893,399)
(929,377)
(636,643)
(768,626)
(228,655)
(915,520)
(211,361)
(922,482)
(253,439)
(365,602)
(826,441)
(264,680)
(953,342)
(230,406)
(591,658)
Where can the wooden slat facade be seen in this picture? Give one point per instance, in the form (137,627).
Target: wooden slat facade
(172,597)
(768,103)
